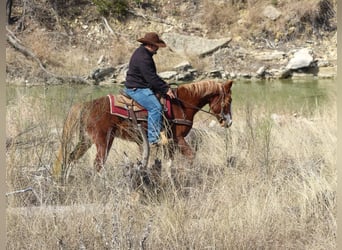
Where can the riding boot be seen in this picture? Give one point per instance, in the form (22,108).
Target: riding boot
(163,138)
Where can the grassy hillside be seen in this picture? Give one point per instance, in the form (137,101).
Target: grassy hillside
(70,37)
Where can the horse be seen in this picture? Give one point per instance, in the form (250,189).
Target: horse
(95,124)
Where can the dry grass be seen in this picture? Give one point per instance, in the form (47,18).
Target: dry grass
(218,16)
(62,55)
(264,183)
(245,19)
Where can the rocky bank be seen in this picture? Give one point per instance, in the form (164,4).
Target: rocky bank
(89,48)
(308,60)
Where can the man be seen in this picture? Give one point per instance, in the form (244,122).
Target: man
(142,83)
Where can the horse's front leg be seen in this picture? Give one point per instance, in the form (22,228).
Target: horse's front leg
(101,156)
(185,148)
(103,145)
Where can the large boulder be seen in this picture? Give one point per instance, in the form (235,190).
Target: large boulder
(301,59)
(193,45)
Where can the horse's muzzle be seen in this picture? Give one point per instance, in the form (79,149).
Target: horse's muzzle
(226,119)
(226,122)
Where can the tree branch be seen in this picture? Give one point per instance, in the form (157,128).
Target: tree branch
(28,53)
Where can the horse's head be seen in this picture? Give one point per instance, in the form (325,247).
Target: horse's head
(221,105)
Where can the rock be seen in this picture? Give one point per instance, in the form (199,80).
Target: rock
(261,71)
(183,66)
(245,75)
(270,55)
(167,75)
(99,74)
(283,73)
(301,59)
(187,76)
(271,12)
(233,75)
(193,45)
(215,74)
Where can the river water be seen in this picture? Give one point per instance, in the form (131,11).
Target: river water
(294,96)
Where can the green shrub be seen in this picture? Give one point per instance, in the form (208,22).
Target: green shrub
(116,8)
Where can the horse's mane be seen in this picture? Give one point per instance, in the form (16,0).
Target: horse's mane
(202,88)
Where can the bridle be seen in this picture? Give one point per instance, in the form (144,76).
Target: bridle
(220,117)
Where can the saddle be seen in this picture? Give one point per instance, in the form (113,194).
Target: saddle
(123,106)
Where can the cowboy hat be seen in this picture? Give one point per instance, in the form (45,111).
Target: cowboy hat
(152,38)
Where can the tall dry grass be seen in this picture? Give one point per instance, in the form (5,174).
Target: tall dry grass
(268,182)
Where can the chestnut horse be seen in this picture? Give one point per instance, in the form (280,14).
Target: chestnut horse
(94,123)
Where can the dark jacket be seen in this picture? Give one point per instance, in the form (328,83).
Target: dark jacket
(142,72)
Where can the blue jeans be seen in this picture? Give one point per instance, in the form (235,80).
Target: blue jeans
(146,98)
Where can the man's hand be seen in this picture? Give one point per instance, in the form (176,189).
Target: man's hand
(170,93)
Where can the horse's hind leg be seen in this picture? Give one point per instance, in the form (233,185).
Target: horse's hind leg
(82,146)
(64,159)
(80,149)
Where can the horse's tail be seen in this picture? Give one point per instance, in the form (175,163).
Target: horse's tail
(71,127)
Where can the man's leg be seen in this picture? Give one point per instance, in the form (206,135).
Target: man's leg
(147,99)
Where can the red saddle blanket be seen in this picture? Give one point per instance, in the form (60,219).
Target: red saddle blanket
(120,106)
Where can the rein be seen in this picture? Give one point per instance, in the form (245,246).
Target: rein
(195,107)
(222,95)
